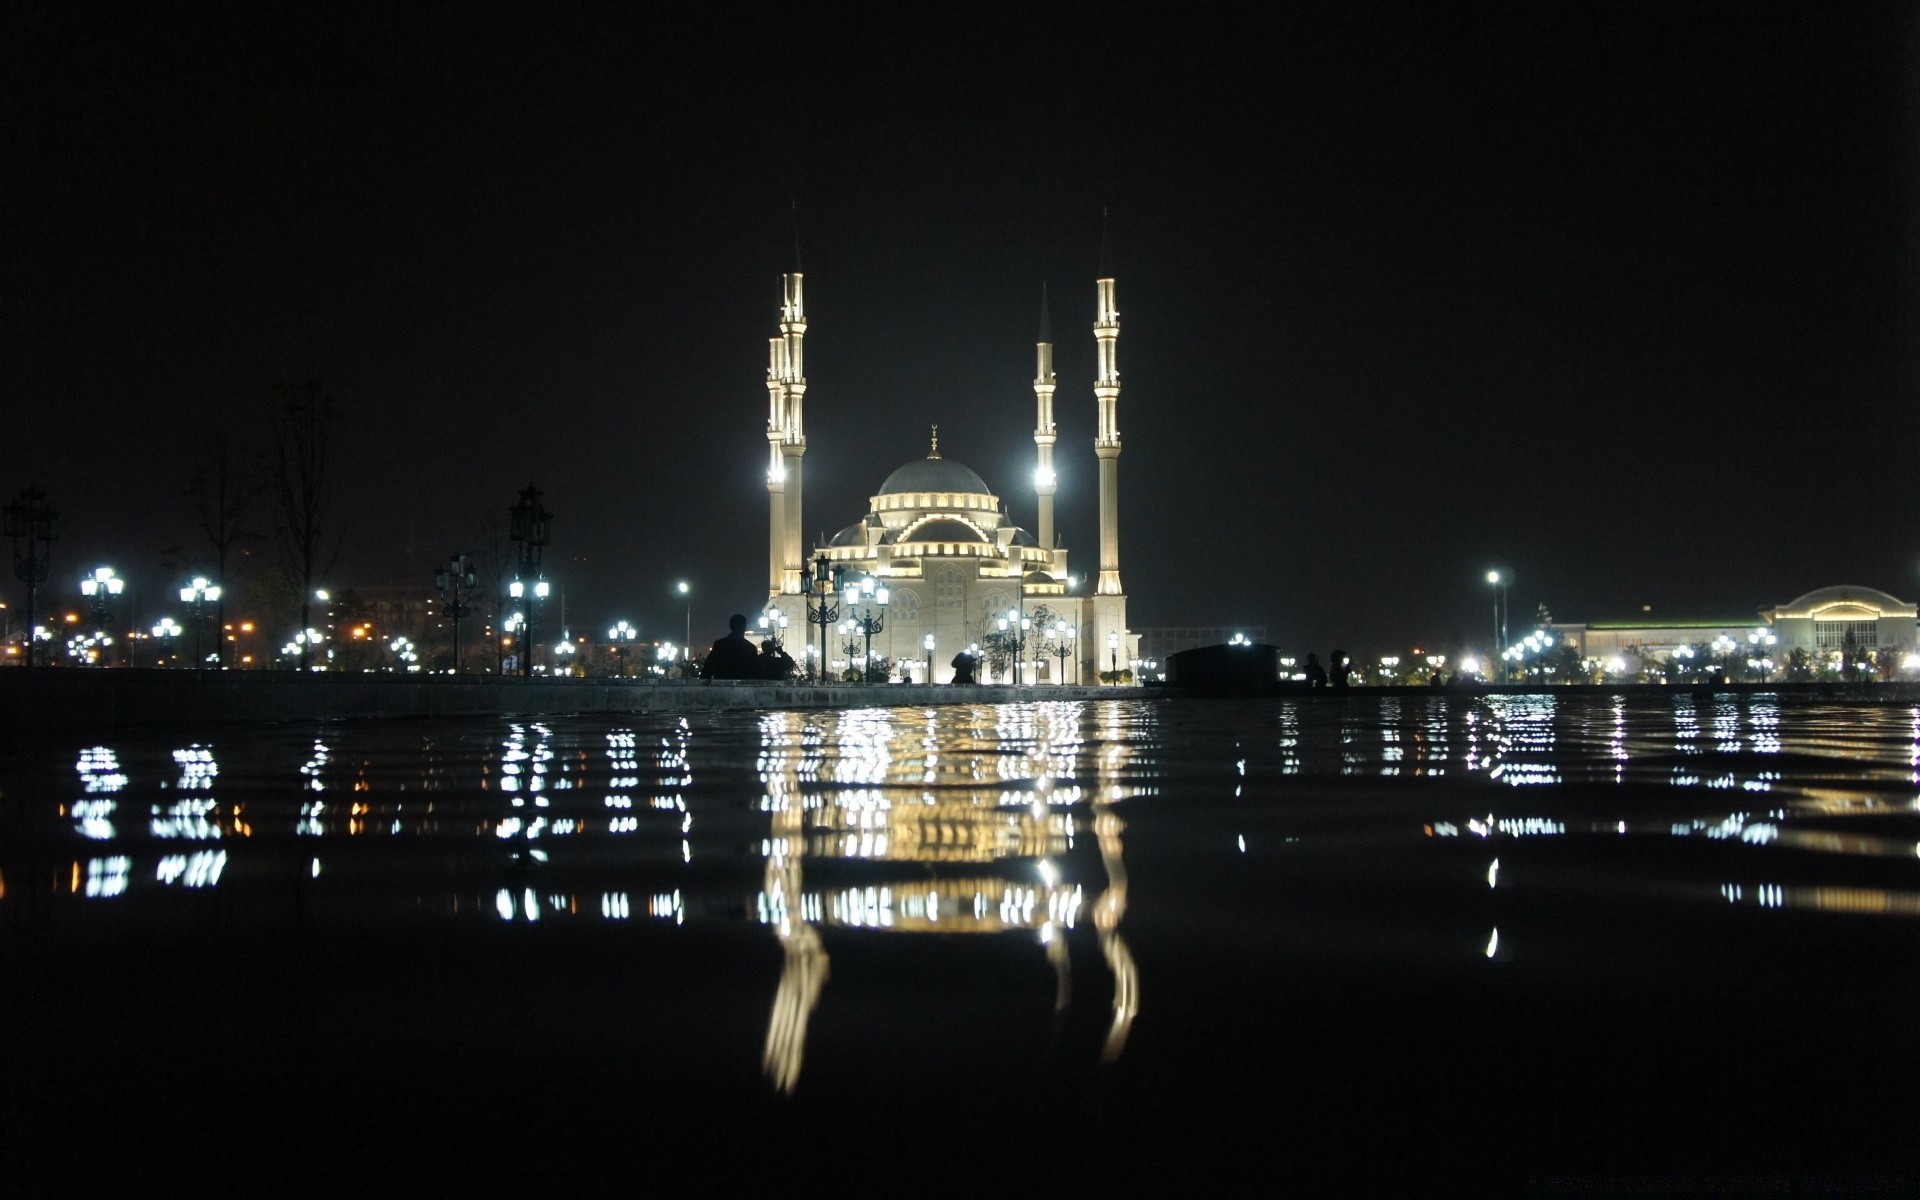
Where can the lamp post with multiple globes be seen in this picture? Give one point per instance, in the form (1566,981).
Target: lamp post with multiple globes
(99,588)
(454,581)
(826,612)
(872,599)
(1015,622)
(197,595)
(530,525)
(620,636)
(1059,643)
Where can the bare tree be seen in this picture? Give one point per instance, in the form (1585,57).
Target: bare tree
(225,495)
(302,489)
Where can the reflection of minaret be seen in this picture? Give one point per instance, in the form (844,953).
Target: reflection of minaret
(1106,389)
(1043,477)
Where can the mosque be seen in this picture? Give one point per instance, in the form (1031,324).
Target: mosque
(940,546)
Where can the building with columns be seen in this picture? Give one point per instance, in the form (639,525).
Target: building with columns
(946,549)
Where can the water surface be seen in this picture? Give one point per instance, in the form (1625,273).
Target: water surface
(1448,942)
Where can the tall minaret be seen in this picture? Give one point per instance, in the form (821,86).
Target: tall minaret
(1043,477)
(776,465)
(793,444)
(1106,442)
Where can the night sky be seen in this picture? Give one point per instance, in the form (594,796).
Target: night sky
(1616,297)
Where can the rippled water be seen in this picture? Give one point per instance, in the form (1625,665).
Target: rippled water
(1434,938)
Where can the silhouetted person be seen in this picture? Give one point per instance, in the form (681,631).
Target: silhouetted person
(733,656)
(1316,674)
(773,662)
(1337,668)
(962,669)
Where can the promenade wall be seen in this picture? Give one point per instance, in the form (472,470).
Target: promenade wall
(70,698)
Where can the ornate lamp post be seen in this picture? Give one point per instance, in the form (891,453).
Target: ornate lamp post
(454,581)
(197,595)
(1760,649)
(686,593)
(530,525)
(620,636)
(873,616)
(1113,653)
(773,627)
(1499,583)
(825,613)
(1060,645)
(30,521)
(1016,623)
(927,643)
(164,631)
(99,588)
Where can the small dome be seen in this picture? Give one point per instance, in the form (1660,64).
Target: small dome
(935,475)
(1040,577)
(1022,538)
(943,530)
(853,535)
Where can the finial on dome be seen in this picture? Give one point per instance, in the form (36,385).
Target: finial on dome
(935,451)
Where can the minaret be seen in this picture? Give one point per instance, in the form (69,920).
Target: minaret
(1106,442)
(776,466)
(1043,435)
(793,444)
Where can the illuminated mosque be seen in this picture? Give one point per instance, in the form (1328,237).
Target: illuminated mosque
(942,545)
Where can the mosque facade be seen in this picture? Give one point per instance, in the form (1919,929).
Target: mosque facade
(956,571)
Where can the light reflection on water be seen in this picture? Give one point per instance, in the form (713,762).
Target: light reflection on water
(1005,821)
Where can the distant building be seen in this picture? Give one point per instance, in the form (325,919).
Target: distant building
(1834,618)
(1824,622)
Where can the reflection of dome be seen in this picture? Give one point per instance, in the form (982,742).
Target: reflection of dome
(941,530)
(935,475)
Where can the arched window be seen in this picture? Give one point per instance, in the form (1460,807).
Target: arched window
(905,604)
(950,587)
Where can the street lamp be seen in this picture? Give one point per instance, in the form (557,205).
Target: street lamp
(532,592)
(164,631)
(1016,623)
(1113,652)
(773,627)
(825,613)
(452,581)
(872,618)
(530,525)
(686,593)
(403,650)
(99,588)
(621,635)
(927,644)
(560,663)
(198,594)
(1060,645)
(28,519)
(1499,583)
(1760,645)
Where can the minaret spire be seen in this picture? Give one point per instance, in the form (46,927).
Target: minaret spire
(1043,429)
(1106,443)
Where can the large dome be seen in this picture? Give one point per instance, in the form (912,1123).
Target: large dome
(935,475)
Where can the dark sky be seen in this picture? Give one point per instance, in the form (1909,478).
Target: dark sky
(1614,296)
